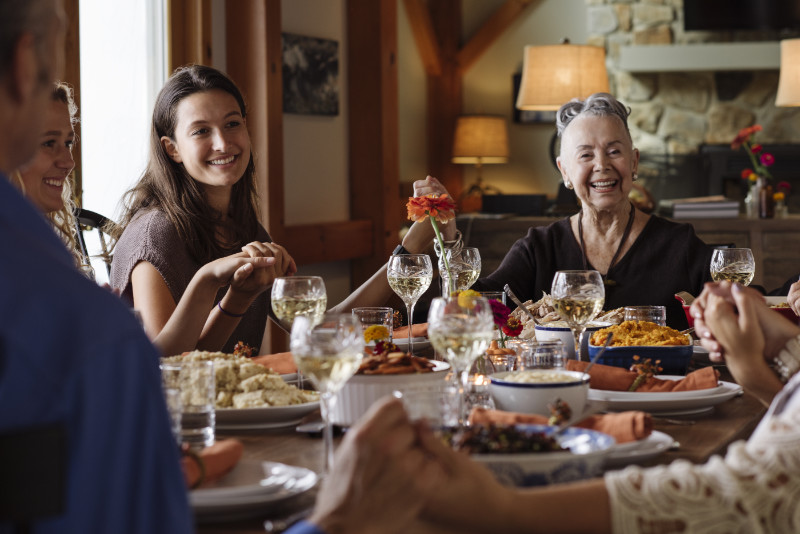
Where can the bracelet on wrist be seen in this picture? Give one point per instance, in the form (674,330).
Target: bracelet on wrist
(229,314)
(787,363)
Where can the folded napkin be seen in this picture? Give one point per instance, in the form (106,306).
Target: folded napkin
(216,460)
(417,330)
(282,362)
(618,379)
(623,427)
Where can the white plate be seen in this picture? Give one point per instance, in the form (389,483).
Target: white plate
(418,342)
(282,483)
(670,401)
(266,417)
(638,451)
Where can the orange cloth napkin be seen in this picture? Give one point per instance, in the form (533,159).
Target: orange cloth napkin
(618,379)
(417,330)
(623,426)
(281,363)
(217,459)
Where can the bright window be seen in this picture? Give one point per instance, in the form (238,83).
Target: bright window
(123,55)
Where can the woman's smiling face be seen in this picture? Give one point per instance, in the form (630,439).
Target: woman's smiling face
(44,176)
(211,139)
(598,159)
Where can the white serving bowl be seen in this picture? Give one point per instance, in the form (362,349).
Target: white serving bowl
(558,330)
(533,397)
(361,391)
(588,450)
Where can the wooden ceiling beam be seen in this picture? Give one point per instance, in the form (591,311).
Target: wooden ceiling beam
(490,31)
(422,27)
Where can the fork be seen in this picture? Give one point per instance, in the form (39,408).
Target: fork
(514,298)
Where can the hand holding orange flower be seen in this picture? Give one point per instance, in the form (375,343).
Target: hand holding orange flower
(436,208)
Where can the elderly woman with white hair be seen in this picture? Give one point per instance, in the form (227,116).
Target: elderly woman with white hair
(644,259)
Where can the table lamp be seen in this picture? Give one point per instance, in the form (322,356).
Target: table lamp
(555,74)
(789,80)
(479,140)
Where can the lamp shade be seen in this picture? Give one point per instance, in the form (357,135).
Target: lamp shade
(480,139)
(789,83)
(555,74)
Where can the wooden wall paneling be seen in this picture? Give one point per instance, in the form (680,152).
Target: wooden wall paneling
(419,18)
(72,75)
(189,33)
(373,127)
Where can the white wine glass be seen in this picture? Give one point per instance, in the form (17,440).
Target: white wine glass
(328,353)
(410,275)
(733,265)
(460,330)
(294,296)
(465,267)
(298,295)
(578,296)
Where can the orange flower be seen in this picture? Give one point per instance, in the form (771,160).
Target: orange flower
(439,207)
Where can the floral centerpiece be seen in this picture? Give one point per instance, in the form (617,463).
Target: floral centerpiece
(760,160)
(435,208)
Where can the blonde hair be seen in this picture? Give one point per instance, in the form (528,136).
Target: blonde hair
(63,221)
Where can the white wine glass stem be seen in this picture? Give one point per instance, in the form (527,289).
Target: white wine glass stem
(410,311)
(326,401)
(578,332)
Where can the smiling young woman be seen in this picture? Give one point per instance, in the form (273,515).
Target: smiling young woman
(195,203)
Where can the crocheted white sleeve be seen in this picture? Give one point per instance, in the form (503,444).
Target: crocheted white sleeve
(755,488)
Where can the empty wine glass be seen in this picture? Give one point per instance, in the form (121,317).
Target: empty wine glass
(465,267)
(733,264)
(578,296)
(409,276)
(460,329)
(328,353)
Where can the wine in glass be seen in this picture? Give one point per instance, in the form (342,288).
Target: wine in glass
(733,264)
(465,267)
(578,296)
(409,276)
(460,329)
(329,353)
(295,296)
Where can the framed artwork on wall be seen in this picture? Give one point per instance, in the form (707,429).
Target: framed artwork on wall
(310,75)
(527,117)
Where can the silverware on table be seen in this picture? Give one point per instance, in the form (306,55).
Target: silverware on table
(599,352)
(279,525)
(516,301)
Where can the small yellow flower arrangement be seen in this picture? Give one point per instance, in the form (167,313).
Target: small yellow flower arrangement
(376,332)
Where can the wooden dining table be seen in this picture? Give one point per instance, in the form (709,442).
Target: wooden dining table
(696,439)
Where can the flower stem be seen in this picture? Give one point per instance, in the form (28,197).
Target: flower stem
(450,281)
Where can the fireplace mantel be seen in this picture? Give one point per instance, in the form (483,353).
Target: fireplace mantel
(701,57)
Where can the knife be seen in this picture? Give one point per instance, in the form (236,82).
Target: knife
(514,298)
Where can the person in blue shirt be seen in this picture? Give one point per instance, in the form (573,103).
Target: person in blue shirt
(71,353)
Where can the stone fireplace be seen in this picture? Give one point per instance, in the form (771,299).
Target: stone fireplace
(678,115)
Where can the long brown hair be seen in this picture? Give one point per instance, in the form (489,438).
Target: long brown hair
(166,186)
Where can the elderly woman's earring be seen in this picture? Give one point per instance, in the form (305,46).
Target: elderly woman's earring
(568,185)
(635,176)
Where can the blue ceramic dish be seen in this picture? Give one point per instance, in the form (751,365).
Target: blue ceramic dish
(674,358)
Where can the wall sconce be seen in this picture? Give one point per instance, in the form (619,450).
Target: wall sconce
(480,139)
(789,81)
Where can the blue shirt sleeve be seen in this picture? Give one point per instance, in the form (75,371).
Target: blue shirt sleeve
(304,527)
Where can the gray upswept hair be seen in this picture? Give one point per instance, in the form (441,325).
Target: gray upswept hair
(598,104)
(21,16)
